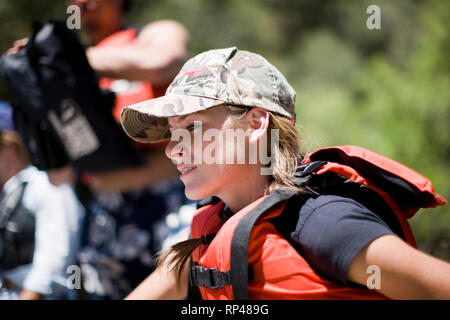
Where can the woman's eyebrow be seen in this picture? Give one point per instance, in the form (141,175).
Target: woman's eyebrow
(180,119)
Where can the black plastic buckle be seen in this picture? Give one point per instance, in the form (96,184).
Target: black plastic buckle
(209,277)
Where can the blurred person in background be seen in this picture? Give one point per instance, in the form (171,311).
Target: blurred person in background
(136,64)
(39,224)
(126,222)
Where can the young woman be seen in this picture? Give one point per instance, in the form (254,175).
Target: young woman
(221,110)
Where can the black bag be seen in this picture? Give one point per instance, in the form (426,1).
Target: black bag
(17,231)
(60,110)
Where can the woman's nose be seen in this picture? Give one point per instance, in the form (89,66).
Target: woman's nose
(174,151)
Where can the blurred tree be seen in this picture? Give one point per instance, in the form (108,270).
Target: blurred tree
(395,104)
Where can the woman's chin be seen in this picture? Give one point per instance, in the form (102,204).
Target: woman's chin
(193,193)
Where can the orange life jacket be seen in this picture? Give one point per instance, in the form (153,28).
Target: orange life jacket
(248,241)
(128,92)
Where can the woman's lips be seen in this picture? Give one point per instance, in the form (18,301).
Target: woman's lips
(185,170)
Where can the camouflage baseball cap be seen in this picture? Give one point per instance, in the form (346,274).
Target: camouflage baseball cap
(223,76)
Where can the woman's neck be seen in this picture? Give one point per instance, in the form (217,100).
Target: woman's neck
(245,190)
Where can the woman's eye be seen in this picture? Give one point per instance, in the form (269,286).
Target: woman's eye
(193,126)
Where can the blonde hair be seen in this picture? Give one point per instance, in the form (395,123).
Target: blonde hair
(285,157)
(285,154)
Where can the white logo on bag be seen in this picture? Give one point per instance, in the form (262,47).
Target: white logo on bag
(74,130)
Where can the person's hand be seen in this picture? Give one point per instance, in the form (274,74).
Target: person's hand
(17,45)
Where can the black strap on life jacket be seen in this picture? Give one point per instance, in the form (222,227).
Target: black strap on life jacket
(208,277)
(240,241)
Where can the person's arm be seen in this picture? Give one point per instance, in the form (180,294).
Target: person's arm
(161,285)
(26,294)
(157,168)
(158,54)
(405,273)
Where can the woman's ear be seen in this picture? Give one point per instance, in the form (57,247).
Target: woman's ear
(259,122)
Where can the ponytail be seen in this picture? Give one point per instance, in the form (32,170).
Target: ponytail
(177,256)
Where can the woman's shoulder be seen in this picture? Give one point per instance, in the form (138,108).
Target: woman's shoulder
(332,229)
(327,200)
(328,209)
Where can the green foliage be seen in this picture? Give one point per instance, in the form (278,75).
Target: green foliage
(398,108)
(215,24)
(387,90)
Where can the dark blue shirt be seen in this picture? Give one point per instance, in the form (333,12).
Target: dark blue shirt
(332,230)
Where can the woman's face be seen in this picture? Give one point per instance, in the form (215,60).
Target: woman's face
(201,154)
